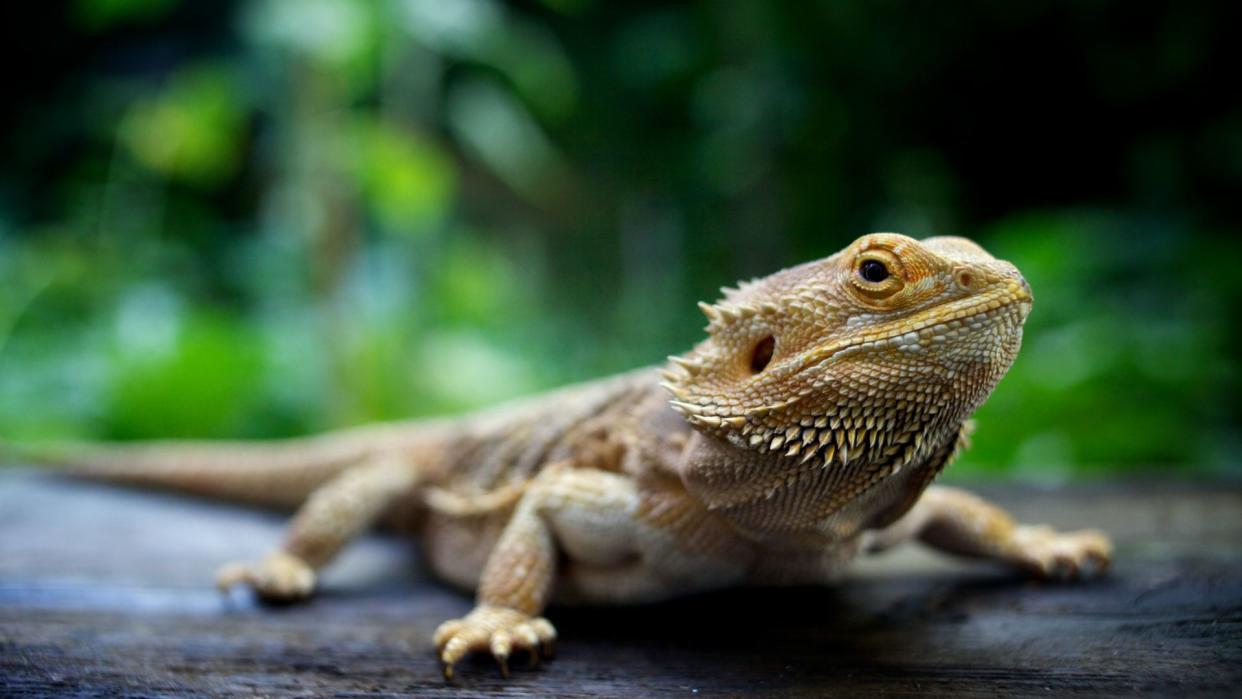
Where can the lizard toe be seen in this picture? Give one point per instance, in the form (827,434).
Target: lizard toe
(280,577)
(1063,555)
(444,632)
(496,630)
(546,634)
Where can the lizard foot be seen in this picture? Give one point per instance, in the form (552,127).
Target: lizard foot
(279,577)
(496,629)
(1057,555)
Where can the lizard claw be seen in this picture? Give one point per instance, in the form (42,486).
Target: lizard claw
(498,630)
(1057,555)
(279,577)
(501,646)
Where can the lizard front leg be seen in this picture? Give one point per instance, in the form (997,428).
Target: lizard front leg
(518,578)
(335,514)
(958,522)
(616,544)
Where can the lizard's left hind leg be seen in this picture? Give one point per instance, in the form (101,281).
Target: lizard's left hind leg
(332,516)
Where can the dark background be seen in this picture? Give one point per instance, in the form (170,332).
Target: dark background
(262,218)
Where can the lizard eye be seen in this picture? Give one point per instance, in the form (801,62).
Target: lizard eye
(762,355)
(877,273)
(873,271)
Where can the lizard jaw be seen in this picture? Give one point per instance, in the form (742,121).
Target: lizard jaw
(947,321)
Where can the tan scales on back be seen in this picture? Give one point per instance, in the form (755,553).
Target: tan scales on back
(805,429)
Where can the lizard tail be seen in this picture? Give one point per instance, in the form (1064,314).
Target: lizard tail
(276,474)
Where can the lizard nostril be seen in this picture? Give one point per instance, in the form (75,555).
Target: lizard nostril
(1025,288)
(965,279)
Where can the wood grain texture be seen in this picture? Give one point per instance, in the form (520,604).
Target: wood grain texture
(105,592)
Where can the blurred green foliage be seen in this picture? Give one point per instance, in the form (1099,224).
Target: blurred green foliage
(264,217)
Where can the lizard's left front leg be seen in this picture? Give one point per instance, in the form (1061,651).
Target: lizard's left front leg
(958,522)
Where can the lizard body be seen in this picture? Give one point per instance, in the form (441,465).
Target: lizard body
(804,430)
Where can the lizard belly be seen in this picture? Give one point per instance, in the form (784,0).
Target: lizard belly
(817,565)
(649,569)
(613,551)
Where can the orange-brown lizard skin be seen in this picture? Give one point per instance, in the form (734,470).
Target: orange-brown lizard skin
(804,430)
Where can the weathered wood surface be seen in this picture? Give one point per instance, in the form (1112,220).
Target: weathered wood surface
(105,592)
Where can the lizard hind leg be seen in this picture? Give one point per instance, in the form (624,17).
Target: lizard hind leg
(331,517)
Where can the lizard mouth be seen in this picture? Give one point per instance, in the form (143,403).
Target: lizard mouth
(933,326)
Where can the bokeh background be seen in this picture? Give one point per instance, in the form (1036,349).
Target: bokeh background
(262,218)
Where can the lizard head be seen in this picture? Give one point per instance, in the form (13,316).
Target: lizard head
(847,369)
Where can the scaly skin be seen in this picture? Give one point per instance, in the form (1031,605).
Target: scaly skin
(803,431)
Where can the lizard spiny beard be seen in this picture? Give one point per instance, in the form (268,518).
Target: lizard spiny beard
(849,415)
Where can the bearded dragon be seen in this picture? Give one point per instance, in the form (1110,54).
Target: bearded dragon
(804,430)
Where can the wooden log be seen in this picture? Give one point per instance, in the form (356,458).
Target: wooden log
(105,592)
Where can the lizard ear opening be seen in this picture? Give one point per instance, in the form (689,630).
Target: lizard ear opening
(762,354)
